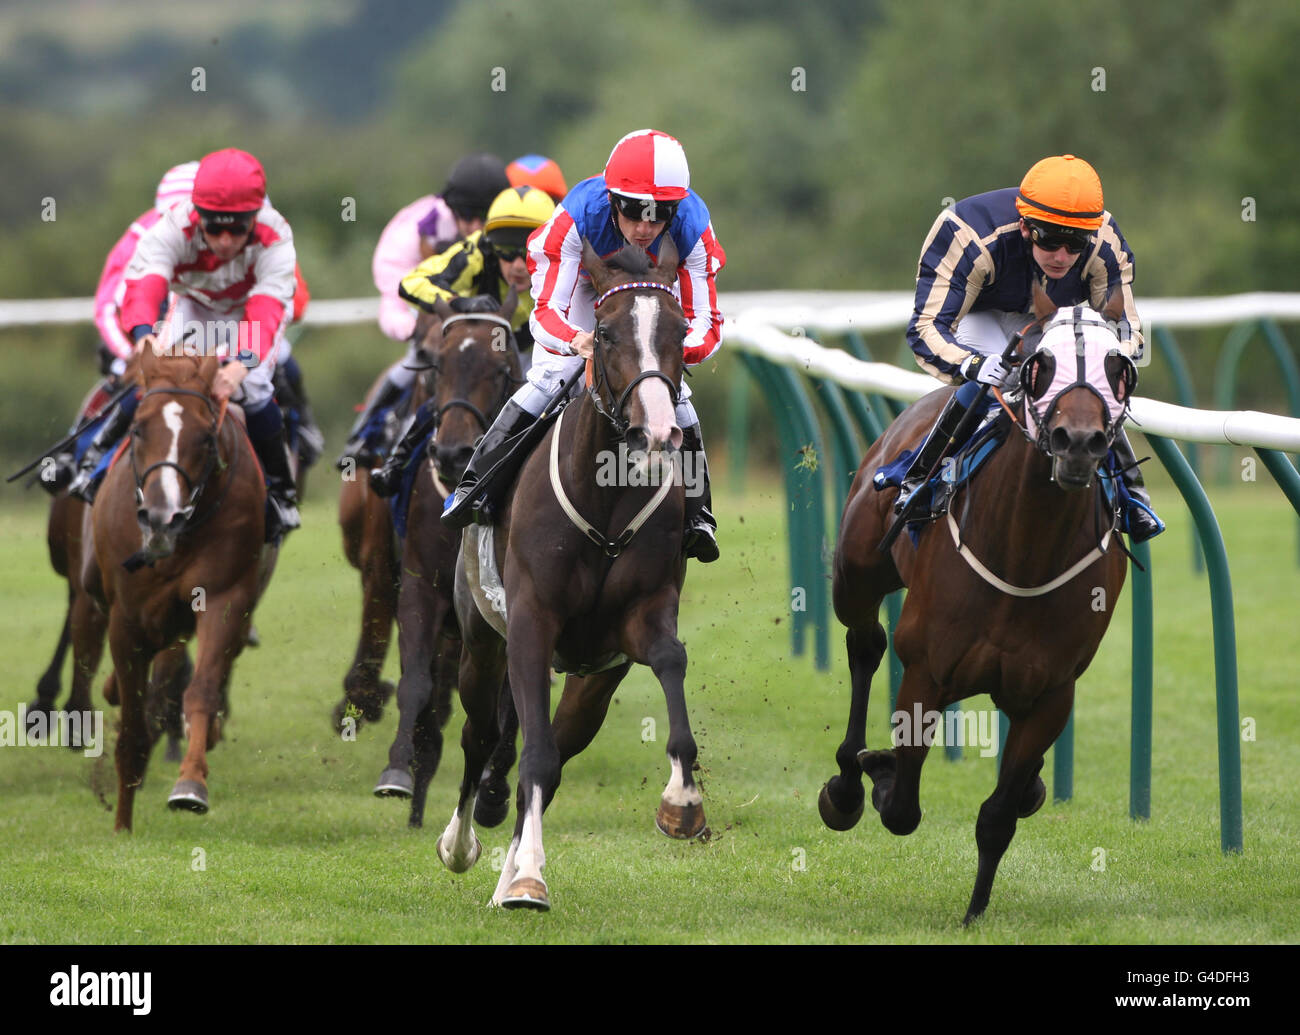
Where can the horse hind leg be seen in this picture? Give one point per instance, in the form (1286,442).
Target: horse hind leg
(1018,787)
(48,686)
(493,802)
(841,800)
(458,847)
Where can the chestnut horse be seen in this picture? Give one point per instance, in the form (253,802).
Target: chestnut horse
(1023,631)
(470,374)
(595,600)
(177,551)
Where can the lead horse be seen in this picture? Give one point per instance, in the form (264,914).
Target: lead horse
(177,551)
(1021,631)
(591,573)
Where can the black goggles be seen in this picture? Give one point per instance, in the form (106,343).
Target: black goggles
(1053,238)
(509,254)
(234,223)
(644,210)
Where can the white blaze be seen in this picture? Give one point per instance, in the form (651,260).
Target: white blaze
(170,479)
(660,416)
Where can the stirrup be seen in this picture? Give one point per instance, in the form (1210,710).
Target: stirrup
(1141,522)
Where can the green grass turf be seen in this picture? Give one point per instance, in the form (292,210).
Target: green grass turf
(296,850)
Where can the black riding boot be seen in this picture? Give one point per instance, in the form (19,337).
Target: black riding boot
(385,480)
(458,511)
(106,439)
(928,455)
(291,395)
(354,450)
(1139,520)
(699,541)
(273,453)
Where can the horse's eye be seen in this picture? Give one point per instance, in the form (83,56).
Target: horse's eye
(602,335)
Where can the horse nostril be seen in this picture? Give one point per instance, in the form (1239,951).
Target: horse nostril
(638,440)
(1098,447)
(1059,442)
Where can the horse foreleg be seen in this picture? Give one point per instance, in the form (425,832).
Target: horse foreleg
(650,636)
(89,626)
(362,686)
(220,635)
(841,800)
(896,775)
(531,634)
(417,744)
(131,666)
(1017,790)
(493,803)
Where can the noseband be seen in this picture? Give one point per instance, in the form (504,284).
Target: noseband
(614,414)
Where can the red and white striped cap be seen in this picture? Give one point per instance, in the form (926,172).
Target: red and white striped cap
(648,164)
(176,185)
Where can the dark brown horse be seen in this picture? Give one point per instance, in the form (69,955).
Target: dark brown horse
(370,545)
(597,600)
(471,373)
(1035,514)
(177,551)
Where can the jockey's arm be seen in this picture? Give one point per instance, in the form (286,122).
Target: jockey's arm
(953,268)
(698,290)
(1111,267)
(450,274)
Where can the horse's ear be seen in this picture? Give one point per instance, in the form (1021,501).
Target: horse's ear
(1113,308)
(595,266)
(669,259)
(148,366)
(511,303)
(1044,307)
(208,367)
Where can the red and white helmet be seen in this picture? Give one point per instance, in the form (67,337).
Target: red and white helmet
(648,165)
(229,181)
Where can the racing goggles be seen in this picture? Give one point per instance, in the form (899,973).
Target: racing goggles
(643,210)
(234,223)
(1051,238)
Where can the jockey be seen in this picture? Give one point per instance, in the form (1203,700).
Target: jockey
(643,194)
(974,290)
(229,261)
(116,349)
(423,228)
(538,171)
(488,262)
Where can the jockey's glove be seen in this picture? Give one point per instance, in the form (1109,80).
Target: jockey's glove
(987,370)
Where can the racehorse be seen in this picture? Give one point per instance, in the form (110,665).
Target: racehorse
(594,600)
(1025,629)
(178,550)
(85,625)
(469,374)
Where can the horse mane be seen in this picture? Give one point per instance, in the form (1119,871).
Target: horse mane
(475,304)
(631,259)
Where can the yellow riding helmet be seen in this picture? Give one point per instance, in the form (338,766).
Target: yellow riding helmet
(1064,190)
(516,213)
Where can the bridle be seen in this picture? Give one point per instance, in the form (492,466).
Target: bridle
(196,486)
(509,381)
(600,382)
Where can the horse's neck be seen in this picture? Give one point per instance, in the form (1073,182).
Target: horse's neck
(587,435)
(1021,523)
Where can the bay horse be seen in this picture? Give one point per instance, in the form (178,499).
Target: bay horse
(1035,514)
(470,374)
(595,600)
(178,551)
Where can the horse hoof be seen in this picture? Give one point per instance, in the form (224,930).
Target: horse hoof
(489,813)
(526,893)
(833,817)
(681,822)
(395,783)
(251,638)
(1033,799)
(190,795)
(462,865)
